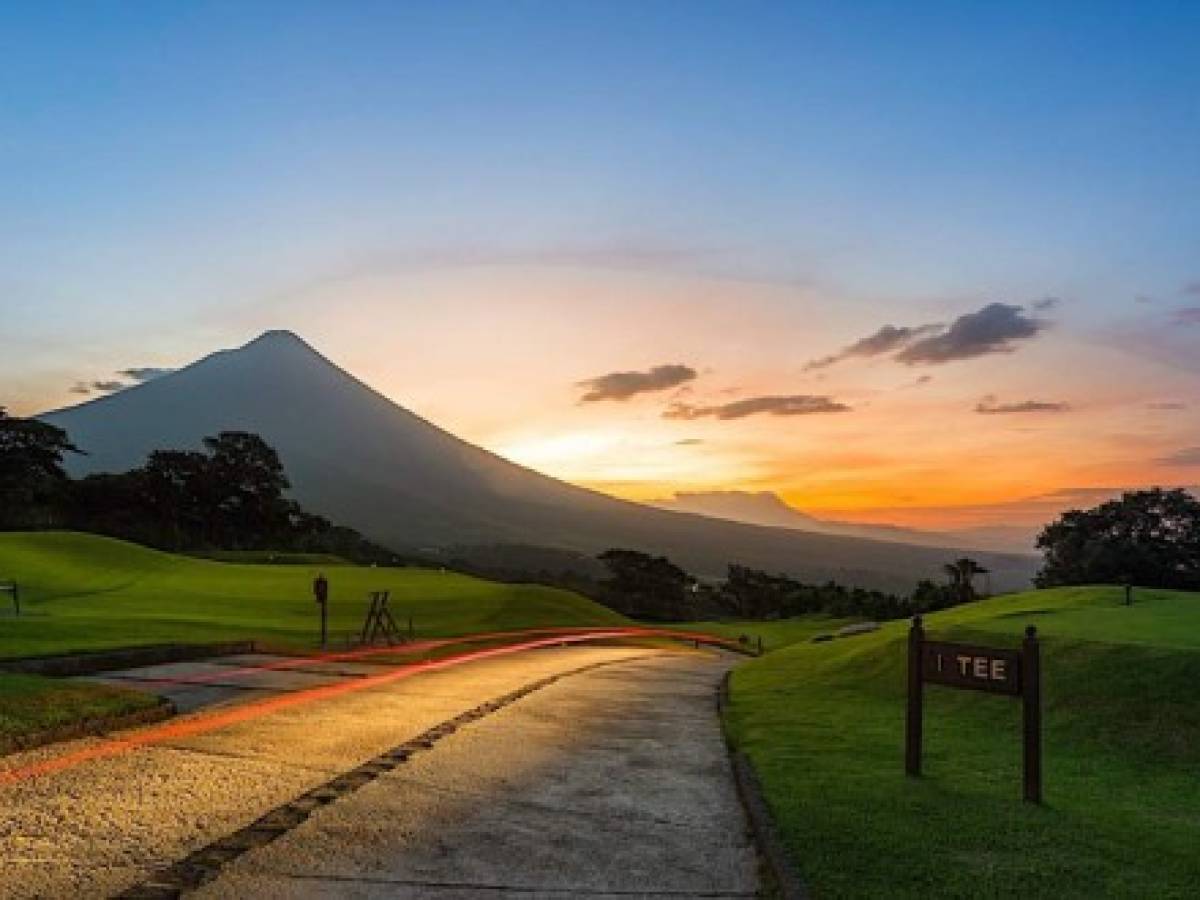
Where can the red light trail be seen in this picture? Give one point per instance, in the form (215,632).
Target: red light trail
(206,722)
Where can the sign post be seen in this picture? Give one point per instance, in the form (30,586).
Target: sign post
(321,595)
(992,670)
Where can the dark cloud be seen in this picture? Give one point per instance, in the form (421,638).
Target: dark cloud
(1046,303)
(1167,405)
(1186,456)
(145,373)
(886,340)
(623,385)
(793,405)
(98,387)
(990,406)
(1189,315)
(993,329)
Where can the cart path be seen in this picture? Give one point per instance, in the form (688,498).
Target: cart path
(611,783)
(104,826)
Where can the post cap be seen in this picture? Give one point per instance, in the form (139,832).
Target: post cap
(1030,631)
(916,620)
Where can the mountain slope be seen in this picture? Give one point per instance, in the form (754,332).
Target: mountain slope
(767,508)
(362,460)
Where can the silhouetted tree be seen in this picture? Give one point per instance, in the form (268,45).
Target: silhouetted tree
(32,478)
(1149,537)
(650,587)
(962,574)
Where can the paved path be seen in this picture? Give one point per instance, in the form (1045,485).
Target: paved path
(607,783)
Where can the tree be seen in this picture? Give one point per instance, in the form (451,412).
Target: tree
(962,574)
(646,586)
(245,484)
(32,478)
(1150,537)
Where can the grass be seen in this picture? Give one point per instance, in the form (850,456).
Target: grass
(775,634)
(823,725)
(84,592)
(30,704)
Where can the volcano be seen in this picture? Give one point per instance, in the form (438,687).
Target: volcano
(360,459)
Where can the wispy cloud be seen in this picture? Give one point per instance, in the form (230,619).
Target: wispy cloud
(989,405)
(145,373)
(623,385)
(1046,303)
(791,405)
(1167,405)
(1185,456)
(887,339)
(996,328)
(1189,315)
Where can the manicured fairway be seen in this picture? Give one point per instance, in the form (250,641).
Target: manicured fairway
(775,634)
(823,725)
(82,592)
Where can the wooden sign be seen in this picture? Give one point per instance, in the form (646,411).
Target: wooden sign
(1016,673)
(968,666)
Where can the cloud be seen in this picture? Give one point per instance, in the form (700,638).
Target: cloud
(1189,315)
(81,388)
(886,340)
(623,385)
(689,442)
(1046,303)
(1192,288)
(98,387)
(1167,405)
(989,406)
(145,373)
(1186,456)
(993,329)
(793,405)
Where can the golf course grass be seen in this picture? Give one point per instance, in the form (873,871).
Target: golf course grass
(823,725)
(83,592)
(776,634)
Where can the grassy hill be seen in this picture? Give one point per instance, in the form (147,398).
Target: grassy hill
(823,725)
(83,592)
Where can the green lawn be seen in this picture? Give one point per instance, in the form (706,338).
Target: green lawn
(775,634)
(823,725)
(29,704)
(82,592)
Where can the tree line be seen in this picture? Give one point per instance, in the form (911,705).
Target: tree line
(652,587)
(228,496)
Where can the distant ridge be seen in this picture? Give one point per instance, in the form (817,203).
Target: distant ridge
(767,508)
(357,457)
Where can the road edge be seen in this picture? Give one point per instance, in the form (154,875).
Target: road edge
(784,877)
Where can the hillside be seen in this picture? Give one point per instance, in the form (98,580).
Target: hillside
(83,592)
(358,458)
(823,725)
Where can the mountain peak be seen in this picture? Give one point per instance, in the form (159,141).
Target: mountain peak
(277,337)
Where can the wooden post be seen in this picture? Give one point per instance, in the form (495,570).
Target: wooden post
(760,645)
(912,730)
(1128,593)
(16,592)
(1032,708)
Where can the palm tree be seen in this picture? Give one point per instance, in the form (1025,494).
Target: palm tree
(962,574)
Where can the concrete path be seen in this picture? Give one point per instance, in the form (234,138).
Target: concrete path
(608,783)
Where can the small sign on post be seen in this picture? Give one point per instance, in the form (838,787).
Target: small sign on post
(320,589)
(992,670)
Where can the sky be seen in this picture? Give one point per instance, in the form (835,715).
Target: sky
(933,263)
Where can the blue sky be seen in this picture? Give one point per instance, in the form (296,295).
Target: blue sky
(174,176)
